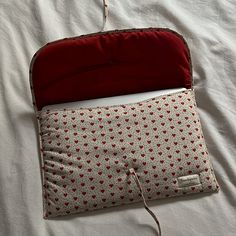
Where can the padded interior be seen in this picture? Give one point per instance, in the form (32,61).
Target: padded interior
(109,64)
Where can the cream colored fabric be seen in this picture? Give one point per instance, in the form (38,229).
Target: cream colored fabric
(87,153)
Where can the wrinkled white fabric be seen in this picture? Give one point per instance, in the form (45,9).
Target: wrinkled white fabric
(209,28)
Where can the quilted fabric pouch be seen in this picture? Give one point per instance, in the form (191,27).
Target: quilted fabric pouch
(98,157)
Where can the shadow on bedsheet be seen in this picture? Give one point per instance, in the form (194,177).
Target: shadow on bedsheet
(29,120)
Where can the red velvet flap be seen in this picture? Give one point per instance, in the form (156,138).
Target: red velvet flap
(109,64)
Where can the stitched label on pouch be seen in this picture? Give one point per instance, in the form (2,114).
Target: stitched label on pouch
(188,180)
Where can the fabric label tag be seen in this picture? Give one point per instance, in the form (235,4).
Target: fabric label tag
(188,180)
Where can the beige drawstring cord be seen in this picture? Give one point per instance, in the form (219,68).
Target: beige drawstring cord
(105,12)
(134,175)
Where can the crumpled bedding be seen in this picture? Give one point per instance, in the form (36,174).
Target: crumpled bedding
(208,27)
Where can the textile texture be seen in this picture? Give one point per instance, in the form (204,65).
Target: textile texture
(209,29)
(87,153)
(106,64)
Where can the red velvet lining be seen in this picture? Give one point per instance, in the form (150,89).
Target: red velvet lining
(109,64)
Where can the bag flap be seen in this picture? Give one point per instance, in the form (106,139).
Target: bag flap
(109,64)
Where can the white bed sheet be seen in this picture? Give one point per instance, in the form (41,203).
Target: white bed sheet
(210,30)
